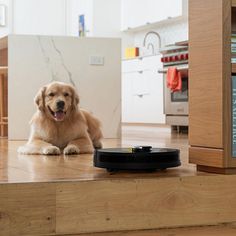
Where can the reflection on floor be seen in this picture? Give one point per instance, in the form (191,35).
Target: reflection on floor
(23,168)
(156,136)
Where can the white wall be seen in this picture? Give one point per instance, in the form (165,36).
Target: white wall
(44,17)
(102,17)
(76,8)
(60,17)
(8,28)
(107,15)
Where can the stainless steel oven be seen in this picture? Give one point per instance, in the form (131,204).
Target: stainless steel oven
(176,103)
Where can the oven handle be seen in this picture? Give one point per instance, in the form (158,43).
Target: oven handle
(164,71)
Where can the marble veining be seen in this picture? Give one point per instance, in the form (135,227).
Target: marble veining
(46,59)
(62,61)
(50,63)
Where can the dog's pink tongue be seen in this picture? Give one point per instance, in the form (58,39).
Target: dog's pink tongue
(59,115)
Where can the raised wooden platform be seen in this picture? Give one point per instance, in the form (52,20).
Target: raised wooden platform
(66,195)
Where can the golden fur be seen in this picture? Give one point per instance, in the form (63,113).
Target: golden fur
(73,131)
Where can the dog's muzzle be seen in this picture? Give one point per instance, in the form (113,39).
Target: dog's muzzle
(58,115)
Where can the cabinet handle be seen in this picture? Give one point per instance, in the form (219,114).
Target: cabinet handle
(180,110)
(140,71)
(141,95)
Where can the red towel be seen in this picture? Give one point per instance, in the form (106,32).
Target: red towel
(173,79)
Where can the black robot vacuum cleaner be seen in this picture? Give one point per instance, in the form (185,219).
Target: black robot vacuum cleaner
(137,158)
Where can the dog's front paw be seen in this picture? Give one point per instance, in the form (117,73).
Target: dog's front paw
(51,150)
(71,150)
(23,150)
(97,144)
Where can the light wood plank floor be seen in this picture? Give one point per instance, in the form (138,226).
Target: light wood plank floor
(35,168)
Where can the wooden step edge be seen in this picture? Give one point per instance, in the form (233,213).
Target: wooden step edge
(211,230)
(206,156)
(116,205)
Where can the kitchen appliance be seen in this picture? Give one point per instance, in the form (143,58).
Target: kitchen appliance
(136,158)
(176,103)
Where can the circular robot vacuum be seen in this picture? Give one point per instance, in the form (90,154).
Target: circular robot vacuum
(136,158)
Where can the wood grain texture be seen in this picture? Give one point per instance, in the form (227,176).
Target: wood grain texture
(32,209)
(210,80)
(206,156)
(218,170)
(233,3)
(3,42)
(206,73)
(4,211)
(28,209)
(233,67)
(4,57)
(144,204)
(116,205)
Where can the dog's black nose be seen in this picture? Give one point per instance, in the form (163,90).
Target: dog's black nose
(60,104)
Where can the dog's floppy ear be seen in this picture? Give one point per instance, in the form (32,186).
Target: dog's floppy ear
(39,98)
(75,98)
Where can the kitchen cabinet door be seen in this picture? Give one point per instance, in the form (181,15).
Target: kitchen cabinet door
(132,65)
(160,10)
(142,97)
(133,14)
(129,88)
(148,103)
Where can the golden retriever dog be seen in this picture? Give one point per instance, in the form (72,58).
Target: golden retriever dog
(60,125)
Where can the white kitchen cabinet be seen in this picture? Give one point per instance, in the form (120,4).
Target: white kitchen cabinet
(132,13)
(144,12)
(142,91)
(160,10)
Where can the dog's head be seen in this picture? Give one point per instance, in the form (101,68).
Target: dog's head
(57,100)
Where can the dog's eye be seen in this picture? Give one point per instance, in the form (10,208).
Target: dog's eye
(51,94)
(66,94)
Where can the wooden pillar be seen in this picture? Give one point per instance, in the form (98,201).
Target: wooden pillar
(210,77)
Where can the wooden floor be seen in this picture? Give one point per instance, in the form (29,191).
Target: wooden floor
(15,168)
(66,195)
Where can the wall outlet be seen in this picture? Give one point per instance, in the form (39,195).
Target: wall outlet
(2,15)
(96,60)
